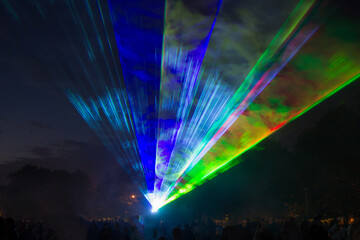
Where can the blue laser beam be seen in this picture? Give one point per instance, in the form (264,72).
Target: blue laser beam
(138,27)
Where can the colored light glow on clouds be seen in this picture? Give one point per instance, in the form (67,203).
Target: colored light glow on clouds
(299,87)
(178,93)
(204,134)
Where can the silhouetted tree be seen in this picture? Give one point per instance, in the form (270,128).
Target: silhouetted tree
(35,192)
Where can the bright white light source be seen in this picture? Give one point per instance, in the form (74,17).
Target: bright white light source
(156,203)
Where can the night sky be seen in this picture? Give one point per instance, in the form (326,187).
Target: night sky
(37,121)
(40,126)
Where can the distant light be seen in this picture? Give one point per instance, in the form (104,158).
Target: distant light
(154,210)
(133,196)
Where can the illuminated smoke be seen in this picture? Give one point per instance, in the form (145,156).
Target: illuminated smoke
(178,91)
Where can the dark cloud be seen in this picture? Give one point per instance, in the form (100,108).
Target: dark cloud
(42,152)
(67,146)
(94,159)
(40,125)
(72,144)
